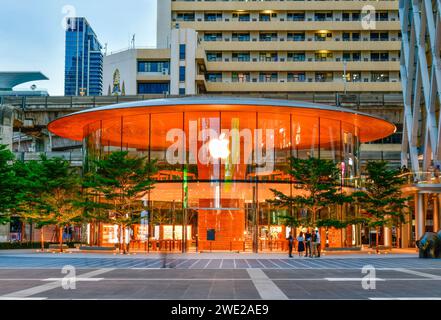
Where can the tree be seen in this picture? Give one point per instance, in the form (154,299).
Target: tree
(381,199)
(48,193)
(116,185)
(319,180)
(7,197)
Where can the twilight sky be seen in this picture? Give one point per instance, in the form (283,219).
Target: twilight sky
(32,35)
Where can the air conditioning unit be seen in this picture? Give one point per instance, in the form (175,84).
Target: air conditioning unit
(165,71)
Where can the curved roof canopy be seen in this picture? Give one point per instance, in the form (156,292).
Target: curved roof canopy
(73,126)
(9,80)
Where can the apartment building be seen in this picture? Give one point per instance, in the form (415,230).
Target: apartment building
(291,46)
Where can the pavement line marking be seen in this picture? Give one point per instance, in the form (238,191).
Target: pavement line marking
(257,260)
(351,279)
(248,264)
(194,263)
(76,279)
(49,286)
(221,264)
(417,273)
(266,288)
(408,298)
(17,298)
(209,261)
(234,263)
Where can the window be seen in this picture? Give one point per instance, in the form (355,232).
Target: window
(214,56)
(379,36)
(154,66)
(182,49)
(297,36)
(320,36)
(323,16)
(379,56)
(217,16)
(241,37)
(214,77)
(268,56)
(352,77)
(268,36)
(268,77)
(241,56)
(296,77)
(380,77)
(323,56)
(323,77)
(185,16)
(296,16)
(153,88)
(240,77)
(296,56)
(264,17)
(182,91)
(354,56)
(381,16)
(213,36)
(181,74)
(242,16)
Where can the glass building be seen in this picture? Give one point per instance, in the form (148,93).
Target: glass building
(218,159)
(84,60)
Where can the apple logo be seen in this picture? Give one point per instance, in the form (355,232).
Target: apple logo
(219,147)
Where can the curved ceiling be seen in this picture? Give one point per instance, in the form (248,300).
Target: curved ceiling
(9,80)
(73,126)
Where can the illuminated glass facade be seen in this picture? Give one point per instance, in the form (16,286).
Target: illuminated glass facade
(218,160)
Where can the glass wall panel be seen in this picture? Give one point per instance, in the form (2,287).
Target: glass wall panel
(167,145)
(205,146)
(239,129)
(305,136)
(135,137)
(272,232)
(273,146)
(112,135)
(330,140)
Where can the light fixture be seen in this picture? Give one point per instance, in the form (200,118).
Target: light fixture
(219,147)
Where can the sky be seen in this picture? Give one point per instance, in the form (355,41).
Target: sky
(32,36)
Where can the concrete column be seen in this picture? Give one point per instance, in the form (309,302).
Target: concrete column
(387,237)
(436,202)
(420,226)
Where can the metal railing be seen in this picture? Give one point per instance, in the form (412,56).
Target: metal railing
(344,100)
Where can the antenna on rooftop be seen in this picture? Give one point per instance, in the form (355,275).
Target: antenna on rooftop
(133,41)
(105,49)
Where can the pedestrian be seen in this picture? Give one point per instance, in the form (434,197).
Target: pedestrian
(301,243)
(290,244)
(308,243)
(318,243)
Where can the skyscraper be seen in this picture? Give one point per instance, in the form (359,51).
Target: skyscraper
(84,60)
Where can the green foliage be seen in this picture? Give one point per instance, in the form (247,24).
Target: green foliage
(319,183)
(47,192)
(7,198)
(381,199)
(115,187)
(29,245)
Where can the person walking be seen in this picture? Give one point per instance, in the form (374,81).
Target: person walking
(308,236)
(290,244)
(301,243)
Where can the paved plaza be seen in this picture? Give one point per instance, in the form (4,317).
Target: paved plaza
(38,276)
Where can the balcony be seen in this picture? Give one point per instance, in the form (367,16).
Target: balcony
(281,5)
(330,45)
(214,87)
(303,66)
(288,26)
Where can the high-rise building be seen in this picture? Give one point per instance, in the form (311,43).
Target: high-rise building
(291,46)
(84,60)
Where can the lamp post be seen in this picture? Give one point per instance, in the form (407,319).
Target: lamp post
(345,63)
